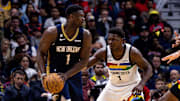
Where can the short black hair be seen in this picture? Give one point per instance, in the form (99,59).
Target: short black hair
(99,63)
(118,31)
(72,8)
(19,71)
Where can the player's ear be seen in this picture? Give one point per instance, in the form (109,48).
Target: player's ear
(123,40)
(71,16)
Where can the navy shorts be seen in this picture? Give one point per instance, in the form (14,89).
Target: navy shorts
(73,88)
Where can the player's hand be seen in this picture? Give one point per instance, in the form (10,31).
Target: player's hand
(138,89)
(63,76)
(171,57)
(43,75)
(177,38)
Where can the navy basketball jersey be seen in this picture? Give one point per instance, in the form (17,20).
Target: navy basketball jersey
(65,52)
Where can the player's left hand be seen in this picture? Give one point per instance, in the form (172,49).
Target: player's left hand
(138,89)
(63,76)
(171,57)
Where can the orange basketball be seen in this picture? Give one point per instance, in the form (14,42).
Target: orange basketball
(53,83)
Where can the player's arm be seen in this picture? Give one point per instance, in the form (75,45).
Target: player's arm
(48,37)
(98,56)
(137,58)
(168,96)
(84,55)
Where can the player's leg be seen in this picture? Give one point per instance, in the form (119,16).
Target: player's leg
(106,95)
(75,88)
(65,92)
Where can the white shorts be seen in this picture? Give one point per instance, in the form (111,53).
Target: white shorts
(117,93)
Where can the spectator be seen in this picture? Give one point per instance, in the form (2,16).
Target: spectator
(87,85)
(25,62)
(5,7)
(5,52)
(35,39)
(97,41)
(99,79)
(10,30)
(104,23)
(132,19)
(116,7)
(36,89)
(33,24)
(156,93)
(119,22)
(13,13)
(151,5)
(158,71)
(90,21)
(25,47)
(159,82)
(55,18)
(141,6)
(156,25)
(144,42)
(17,91)
(29,8)
(174,76)
(91,25)
(166,39)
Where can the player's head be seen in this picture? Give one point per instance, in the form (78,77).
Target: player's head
(75,14)
(116,37)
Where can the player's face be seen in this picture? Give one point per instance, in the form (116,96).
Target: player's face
(78,17)
(114,40)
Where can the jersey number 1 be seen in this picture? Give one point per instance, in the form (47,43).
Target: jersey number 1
(68,59)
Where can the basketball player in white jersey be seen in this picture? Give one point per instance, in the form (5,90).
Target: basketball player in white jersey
(123,61)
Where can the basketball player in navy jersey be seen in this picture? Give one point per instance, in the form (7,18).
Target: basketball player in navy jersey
(67,48)
(123,61)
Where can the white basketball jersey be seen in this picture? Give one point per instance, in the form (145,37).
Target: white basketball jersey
(122,72)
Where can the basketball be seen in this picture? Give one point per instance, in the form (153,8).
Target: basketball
(53,83)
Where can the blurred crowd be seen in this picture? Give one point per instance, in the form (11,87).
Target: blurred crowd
(22,23)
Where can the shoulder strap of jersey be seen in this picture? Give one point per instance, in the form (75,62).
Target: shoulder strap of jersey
(130,55)
(59,30)
(80,34)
